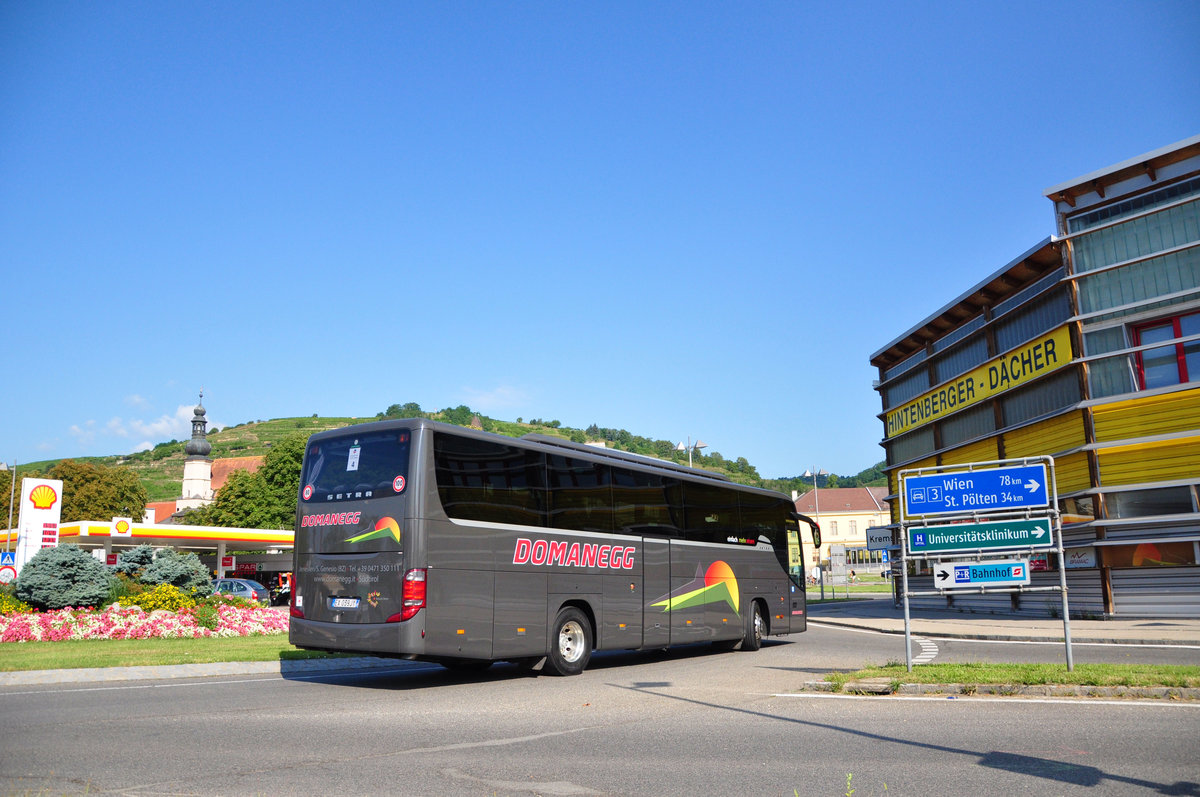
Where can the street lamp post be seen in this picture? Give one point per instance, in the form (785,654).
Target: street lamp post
(815,473)
(689,448)
(12,491)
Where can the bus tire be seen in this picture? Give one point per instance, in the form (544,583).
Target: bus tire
(755,628)
(570,643)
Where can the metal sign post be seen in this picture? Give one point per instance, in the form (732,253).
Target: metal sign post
(1005,507)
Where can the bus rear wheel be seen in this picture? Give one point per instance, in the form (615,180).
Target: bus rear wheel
(570,643)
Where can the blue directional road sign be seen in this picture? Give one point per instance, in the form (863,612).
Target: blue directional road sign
(992,535)
(992,573)
(962,492)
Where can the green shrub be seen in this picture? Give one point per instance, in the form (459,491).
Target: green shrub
(134,560)
(206,616)
(164,596)
(183,570)
(63,576)
(122,588)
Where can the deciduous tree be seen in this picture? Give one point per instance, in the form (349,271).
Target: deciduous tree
(96,492)
(265,499)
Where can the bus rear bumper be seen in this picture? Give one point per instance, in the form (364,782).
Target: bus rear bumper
(382,639)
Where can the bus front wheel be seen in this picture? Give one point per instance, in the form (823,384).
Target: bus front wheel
(570,643)
(755,628)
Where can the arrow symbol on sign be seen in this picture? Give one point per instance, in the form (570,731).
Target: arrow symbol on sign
(1040,532)
(1033,485)
(943,575)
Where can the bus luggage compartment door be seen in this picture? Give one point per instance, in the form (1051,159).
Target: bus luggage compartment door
(458,612)
(656,585)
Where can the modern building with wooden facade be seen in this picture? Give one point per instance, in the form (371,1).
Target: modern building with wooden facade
(1085,348)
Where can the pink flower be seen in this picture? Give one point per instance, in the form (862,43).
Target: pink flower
(134,623)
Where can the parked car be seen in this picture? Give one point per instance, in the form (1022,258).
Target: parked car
(243,588)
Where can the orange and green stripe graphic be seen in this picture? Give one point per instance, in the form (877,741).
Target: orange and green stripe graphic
(715,585)
(384,527)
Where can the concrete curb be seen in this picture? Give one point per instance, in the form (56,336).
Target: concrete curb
(884,686)
(166,672)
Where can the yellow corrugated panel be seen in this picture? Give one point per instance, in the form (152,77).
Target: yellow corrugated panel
(1150,415)
(893,486)
(893,475)
(1160,461)
(1071,473)
(979,451)
(1046,438)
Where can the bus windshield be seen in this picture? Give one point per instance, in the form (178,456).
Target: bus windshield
(354,467)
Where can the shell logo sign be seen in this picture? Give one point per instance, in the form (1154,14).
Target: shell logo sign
(41,510)
(122,527)
(43,496)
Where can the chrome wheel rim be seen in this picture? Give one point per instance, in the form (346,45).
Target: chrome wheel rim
(570,641)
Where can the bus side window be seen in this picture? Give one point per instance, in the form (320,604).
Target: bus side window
(646,501)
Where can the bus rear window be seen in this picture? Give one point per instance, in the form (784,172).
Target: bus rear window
(372,465)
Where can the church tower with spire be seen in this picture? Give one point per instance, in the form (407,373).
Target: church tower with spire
(197,467)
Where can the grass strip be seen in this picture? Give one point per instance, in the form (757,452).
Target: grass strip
(876,587)
(72,654)
(1179,676)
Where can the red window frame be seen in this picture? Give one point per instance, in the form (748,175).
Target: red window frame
(1181,365)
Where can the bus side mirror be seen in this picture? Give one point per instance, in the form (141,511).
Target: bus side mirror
(812,525)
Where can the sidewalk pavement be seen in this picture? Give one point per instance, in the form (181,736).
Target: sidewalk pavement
(880,614)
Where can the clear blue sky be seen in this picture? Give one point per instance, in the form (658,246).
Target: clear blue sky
(680,219)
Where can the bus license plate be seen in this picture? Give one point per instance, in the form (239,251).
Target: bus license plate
(345,603)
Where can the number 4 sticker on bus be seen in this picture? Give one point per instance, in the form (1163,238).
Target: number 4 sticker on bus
(352,459)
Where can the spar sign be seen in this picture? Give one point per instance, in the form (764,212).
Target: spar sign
(41,510)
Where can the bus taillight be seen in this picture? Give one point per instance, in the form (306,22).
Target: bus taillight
(413,596)
(293,606)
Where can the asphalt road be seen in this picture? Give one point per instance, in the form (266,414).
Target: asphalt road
(691,721)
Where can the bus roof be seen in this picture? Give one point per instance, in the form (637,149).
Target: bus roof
(623,456)
(552,445)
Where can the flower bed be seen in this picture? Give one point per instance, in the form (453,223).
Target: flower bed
(132,622)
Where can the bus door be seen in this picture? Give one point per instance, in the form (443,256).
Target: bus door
(689,612)
(656,586)
(796,575)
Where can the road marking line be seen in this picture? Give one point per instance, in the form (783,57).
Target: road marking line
(928,652)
